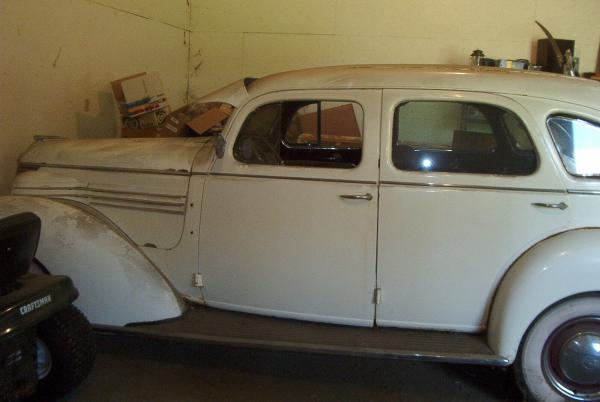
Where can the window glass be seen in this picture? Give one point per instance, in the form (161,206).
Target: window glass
(340,125)
(520,136)
(578,143)
(306,133)
(461,137)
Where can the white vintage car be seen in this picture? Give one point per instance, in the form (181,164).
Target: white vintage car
(431,212)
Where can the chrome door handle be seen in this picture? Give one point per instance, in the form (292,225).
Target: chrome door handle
(561,205)
(367,197)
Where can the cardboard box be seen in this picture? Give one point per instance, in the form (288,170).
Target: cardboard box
(176,121)
(147,120)
(117,86)
(144,86)
(208,120)
(141,102)
(197,119)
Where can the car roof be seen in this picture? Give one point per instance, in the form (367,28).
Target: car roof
(444,77)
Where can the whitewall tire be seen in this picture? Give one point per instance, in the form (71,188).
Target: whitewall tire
(559,359)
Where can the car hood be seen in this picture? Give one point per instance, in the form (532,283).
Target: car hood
(130,154)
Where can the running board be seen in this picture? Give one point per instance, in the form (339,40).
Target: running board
(213,326)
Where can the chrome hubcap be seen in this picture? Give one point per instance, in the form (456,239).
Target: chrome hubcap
(579,358)
(571,359)
(44,359)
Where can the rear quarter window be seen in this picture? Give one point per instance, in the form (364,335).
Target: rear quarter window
(578,144)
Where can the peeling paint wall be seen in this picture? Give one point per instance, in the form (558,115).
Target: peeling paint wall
(59,56)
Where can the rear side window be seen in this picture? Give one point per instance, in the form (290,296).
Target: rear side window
(302,133)
(578,143)
(461,137)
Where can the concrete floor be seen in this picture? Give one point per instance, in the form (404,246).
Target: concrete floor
(136,369)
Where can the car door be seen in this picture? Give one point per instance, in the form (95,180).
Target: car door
(466,187)
(289,214)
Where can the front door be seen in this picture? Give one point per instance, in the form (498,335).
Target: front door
(289,214)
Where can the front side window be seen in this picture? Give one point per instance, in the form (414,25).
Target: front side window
(302,133)
(461,137)
(578,143)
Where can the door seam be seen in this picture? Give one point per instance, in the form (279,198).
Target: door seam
(378,186)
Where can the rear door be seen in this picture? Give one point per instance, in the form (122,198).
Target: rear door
(466,187)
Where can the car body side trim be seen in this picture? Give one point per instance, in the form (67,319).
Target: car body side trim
(114,199)
(27,165)
(107,204)
(584,192)
(253,176)
(473,187)
(456,186)
(99,190)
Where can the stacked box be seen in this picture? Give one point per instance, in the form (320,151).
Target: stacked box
(142,104)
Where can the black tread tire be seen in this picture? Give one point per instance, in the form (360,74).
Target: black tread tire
(68,336)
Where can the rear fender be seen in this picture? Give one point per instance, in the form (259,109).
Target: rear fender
(559,267)
(117,283)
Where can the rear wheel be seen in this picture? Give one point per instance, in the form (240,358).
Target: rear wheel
(560,354)
(65,352)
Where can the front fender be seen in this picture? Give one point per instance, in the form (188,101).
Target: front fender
(117,283)
(561,266)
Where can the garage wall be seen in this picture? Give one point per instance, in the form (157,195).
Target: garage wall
(235,38)
(58,56)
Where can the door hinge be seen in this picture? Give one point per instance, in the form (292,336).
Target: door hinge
(198,281)
(377,296)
